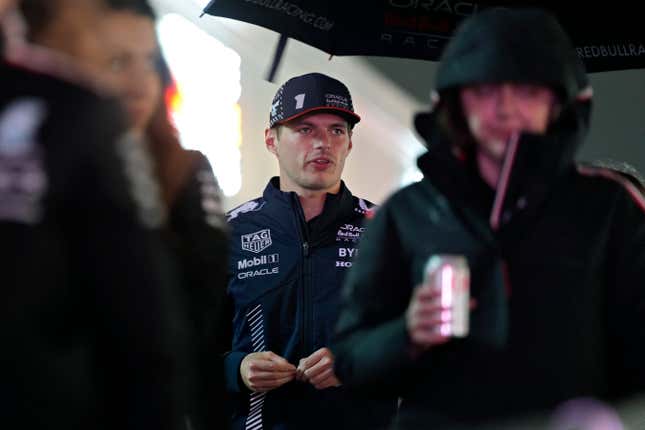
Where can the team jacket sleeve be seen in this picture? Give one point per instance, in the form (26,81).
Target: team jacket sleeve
(371,341)
(232,361)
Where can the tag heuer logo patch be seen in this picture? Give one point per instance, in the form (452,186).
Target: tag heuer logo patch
(256,242)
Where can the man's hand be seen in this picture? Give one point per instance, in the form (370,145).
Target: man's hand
(424,318)
(318,370)
(264,371)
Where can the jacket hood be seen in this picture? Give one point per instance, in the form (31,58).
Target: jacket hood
(512,45)
(520,45)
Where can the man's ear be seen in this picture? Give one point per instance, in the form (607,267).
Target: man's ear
(271,140)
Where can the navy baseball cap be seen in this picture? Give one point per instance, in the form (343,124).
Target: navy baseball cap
(310,93)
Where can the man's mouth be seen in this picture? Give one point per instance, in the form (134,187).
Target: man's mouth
(321,161)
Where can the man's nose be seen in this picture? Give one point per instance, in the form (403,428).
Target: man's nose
(322,139)
(506,101)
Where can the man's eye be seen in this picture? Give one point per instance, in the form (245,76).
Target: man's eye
(304,130)
(117,64)
(338,131)
(528,90)
(151,64)
(484,90)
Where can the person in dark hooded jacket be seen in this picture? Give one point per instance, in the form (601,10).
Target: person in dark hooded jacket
(556,251)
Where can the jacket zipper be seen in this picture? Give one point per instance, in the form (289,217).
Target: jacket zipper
(306,294)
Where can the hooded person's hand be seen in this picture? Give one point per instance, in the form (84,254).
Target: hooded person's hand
(425,317)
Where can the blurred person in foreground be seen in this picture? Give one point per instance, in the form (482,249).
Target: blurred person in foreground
(556,251)
(196,228)
(89,324)
(290,251)
(131,66)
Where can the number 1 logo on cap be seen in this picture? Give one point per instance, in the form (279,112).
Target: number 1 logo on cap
(300,100)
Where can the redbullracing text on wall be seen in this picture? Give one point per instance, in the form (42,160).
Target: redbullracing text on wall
(617,50)
(291,9)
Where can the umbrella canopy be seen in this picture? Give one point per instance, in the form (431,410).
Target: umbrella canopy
(607,35)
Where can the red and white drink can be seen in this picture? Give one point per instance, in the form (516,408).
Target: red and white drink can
(451,276)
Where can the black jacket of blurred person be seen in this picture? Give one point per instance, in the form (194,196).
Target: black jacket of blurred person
(623,169)
(90,331)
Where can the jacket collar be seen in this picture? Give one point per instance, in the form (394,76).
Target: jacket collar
(337,206)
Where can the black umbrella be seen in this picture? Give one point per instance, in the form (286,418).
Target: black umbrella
(607,35)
